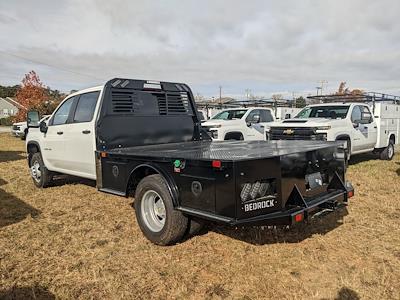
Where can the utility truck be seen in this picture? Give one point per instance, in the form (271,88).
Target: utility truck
(144,139)
(245,123)
(369,123)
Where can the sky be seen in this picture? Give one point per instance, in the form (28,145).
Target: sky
(267,47)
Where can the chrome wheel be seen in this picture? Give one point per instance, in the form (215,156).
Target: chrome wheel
(153,211)
(390,151)
(35,171)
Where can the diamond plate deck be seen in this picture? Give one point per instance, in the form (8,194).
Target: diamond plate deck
(224,150)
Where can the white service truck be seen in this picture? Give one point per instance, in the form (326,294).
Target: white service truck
(245,123)
(354,123)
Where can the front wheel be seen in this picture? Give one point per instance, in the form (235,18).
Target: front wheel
(388,152)
(155,213)
(40,175)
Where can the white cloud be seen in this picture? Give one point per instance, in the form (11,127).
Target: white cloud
(266,46)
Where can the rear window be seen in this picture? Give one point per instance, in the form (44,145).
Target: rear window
(86,106)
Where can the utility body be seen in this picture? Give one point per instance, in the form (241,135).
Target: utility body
(144,138)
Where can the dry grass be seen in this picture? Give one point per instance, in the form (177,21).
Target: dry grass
(71,241)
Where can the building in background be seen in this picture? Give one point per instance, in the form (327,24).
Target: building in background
(8,107)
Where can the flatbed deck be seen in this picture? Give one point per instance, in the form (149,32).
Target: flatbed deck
(224,150)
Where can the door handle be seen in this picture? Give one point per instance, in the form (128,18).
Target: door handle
(59,132)
(86,131)
(375,127)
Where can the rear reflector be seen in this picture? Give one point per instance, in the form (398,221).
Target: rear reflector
(299,217)
(216,164)
(350,194)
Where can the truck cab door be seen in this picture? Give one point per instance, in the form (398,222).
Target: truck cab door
(257,121)
(364,129)
(53,142)
(80,149)
(255,128)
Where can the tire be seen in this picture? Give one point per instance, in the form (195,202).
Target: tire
(388,152)
(347,152)
(40,175)
(159,221)
(23,137)
(234,136)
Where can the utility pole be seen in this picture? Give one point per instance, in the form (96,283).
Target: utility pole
(248,92)
(322,85)
(220,94)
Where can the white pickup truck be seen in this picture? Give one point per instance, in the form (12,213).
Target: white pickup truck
(351,122)
(144,138)
(245,123)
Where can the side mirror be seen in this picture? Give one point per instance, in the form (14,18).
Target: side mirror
(43,127)
(366,117)
(32,119)
(256,119)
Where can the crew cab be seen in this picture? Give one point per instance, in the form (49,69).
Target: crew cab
(350,122)
(144,138)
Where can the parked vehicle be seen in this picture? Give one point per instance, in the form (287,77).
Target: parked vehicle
(20,129)
(240,123)
(352,122)
(245,123)
(178,176)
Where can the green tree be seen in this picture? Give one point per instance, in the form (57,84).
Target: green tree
(300,102)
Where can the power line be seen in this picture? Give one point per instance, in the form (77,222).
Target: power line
(49,65)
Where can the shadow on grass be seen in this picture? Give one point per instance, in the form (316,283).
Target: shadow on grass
(398,170)
(356,159)
(11,156)
(13,209)
(59,180)
(347,294)
(28,293)
(262,235)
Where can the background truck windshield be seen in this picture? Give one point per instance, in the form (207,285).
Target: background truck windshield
(230,114)
(331,112)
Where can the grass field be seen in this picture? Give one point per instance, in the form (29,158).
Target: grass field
(71,241)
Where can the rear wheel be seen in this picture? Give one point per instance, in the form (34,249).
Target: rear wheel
(388,152)
(155,213)
(347,150)
(40,175)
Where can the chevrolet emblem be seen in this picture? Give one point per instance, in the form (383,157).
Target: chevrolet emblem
(288,131)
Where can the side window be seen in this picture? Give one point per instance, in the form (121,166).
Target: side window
(265,115)
(61,116)
(356,114)
(85,108)
(252,114)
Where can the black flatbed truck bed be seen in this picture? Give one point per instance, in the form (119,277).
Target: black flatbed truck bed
(158,143)
(222,150)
